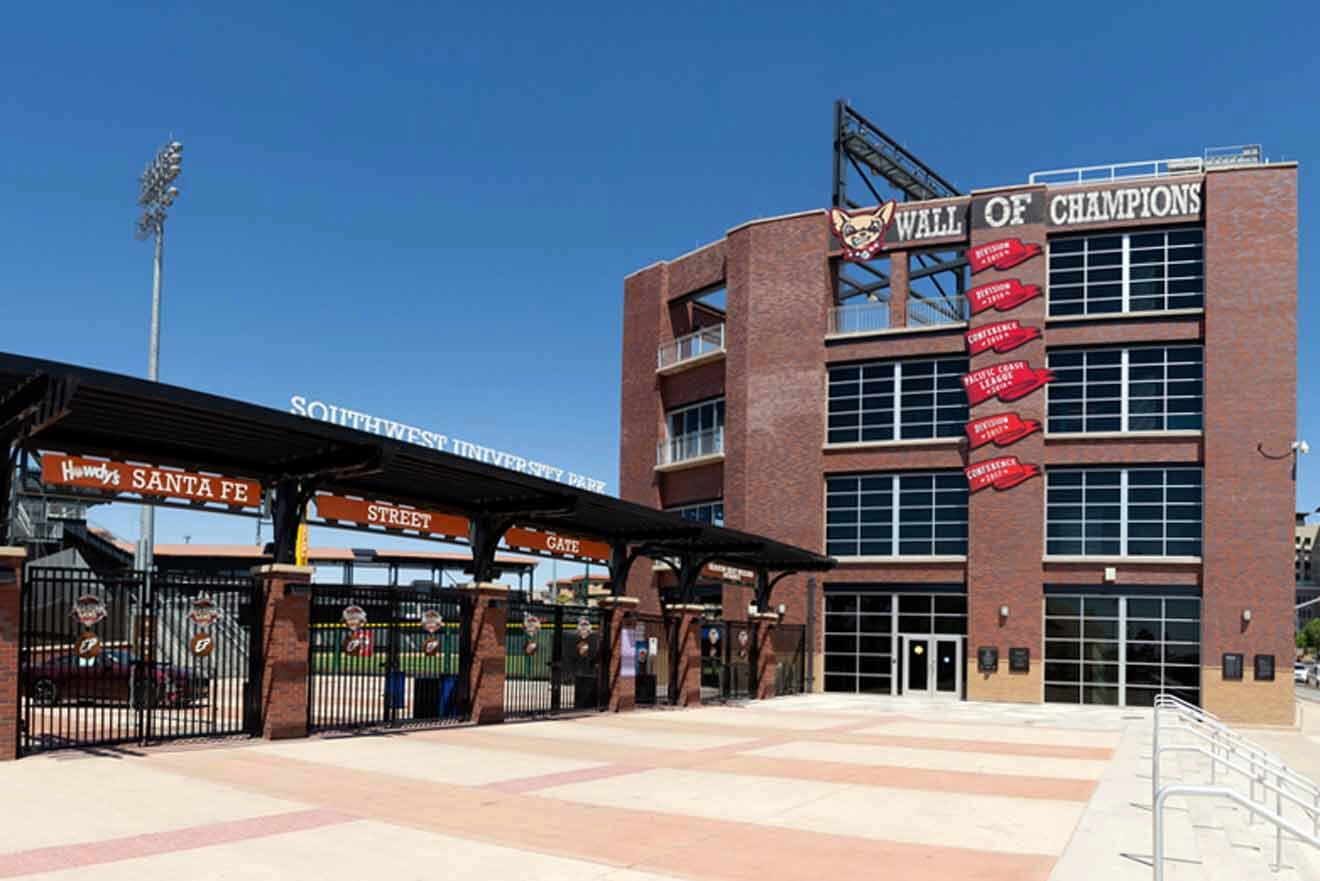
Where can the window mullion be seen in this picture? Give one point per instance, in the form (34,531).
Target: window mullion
(1124,381)
(1122,651)
(893,528)
(1123,512)
(1126,273)
(898,400)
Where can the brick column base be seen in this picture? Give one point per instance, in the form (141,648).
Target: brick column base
(688,651)
(620,694)
(766,663)
(285,648)
(11,581)
(489,604)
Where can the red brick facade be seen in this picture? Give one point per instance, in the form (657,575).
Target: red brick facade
(778,279)
(486,685)
(11,578)
(285,651)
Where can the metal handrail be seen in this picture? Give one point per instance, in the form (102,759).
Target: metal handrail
(690,346)
(1271,763)
(1312,810)
(1210,720)
(1182,789)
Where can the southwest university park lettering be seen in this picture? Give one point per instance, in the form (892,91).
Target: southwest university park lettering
(1005,380)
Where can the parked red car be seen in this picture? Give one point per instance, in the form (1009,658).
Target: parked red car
(109,678)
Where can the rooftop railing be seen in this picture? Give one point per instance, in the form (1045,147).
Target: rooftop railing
(690,346)
(686,447)
(926,312)
(859,318)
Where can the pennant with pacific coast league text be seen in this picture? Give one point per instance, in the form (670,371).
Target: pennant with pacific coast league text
(1000,295)
(1001,429)
(1002,336)
(1005,472)
(1007,382)
(1001,254)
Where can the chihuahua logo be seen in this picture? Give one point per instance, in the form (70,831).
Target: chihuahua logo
(862,232)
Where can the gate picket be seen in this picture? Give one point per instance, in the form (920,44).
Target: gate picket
(549,667)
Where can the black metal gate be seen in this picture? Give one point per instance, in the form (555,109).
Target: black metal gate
(387,657)
(726,669)
(131,658)
(654,659)
(552,660)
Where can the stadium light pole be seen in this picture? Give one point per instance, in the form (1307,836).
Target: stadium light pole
(156,194)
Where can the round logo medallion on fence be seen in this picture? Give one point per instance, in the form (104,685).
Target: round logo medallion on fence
(531,626)
(713,635)
(743,638)
(584,627)
(432,620)
(88,609)
(354,617)
(584,648)
(431,646)
(204,611)
(530,647)
(202,644)
(89,645)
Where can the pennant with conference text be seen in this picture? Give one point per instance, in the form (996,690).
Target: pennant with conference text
(1008,381)
(1001,254)
(1002,337)
(1000,295)
(1005,472)
(1001,430)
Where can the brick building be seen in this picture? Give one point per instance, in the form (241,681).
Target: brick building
(1120,526)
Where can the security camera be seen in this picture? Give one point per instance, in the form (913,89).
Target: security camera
(1301,446)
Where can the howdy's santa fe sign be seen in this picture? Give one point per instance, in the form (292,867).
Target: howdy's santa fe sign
(1005,472)
(1001,429)
(61,470)
(1008,381)
(1000,295)
(1000,254)
(1001,336)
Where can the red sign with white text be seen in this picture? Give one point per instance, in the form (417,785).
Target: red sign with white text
(1008,381)
(121,477)
(1000,295)
(1002,336)
(1005,472)
(1001,429)
(1001,254)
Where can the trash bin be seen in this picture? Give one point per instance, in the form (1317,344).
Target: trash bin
(584,692)
(435,697)
(645,688)
(395,683)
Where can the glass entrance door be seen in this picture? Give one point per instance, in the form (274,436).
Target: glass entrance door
(932,666)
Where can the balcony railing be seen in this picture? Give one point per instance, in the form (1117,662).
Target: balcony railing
(690,446)
(691,346)
(932,313)
(859,318)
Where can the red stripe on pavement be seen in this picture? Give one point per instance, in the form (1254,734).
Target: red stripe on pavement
(545,781)
(113,850)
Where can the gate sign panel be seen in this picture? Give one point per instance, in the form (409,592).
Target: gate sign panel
(121,477)
(559,545)
(388,516)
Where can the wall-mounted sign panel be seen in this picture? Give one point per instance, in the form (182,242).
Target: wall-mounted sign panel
(1001,336)
(1001,429)
(862,233)
(1000,295)
(924,223)
(1008,381)
(1000,254)
(121,477)
(728,573)
(1163,201)
(1003,473)
(559,545)
(987,659)
(1019,660)
(1232,666)
(389,516)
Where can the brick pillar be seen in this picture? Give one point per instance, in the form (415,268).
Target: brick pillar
(11,579)
(285,649)
(766,664)
(898,288)
(688,650)
(620,614)
(487,646)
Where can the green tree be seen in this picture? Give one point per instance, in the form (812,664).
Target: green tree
(1308,638)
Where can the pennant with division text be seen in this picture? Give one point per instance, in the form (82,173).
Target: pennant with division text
(1001,429)
(1000,295)
(1001,254)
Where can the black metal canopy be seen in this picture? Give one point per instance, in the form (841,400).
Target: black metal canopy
(48,405)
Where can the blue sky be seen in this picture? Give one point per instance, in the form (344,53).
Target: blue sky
(426,211)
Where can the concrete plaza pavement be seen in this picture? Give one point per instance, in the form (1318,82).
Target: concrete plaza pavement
(818,786)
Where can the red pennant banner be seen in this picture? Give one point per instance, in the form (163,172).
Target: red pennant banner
(1001,254)
(1007,381)
(1002,336)
(1005,472)
(1000,295)
(1001,430)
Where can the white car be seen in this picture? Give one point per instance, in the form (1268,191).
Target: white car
(1300,671)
